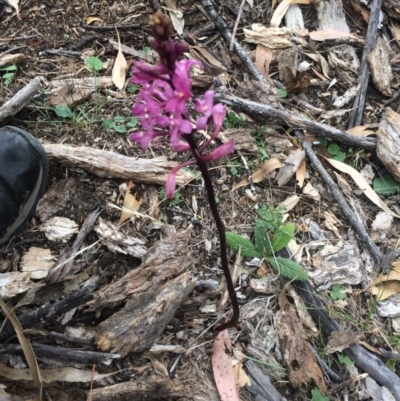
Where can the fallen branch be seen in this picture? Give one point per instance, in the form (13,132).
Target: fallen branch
(262,111)
(363,77)
(108,164)
(224,29)
(352,216)
(20,99)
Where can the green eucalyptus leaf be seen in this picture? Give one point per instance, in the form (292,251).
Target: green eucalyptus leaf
(386,185)
(288,268)
(236,241)
(282,237)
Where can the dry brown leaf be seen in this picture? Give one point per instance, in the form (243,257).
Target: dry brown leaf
(339,340)
(176,16)
(119,69)
(387,285)
(211,65)
(26,348)
(222,367)
(263,59)
(93,18)
(131,204)
(241,378)
(280,11)
(290,203)
(14,3)
(301,173)
(332,34)
(396,31)
(362,184)
(259,175)
(361,130)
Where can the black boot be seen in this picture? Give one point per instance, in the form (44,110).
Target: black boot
(23,176)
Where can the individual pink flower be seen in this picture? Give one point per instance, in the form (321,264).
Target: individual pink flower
(205,107)
(223,150)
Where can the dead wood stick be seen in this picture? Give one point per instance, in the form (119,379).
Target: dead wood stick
(20,99)
(35,317)
(63,353)
(352,216)
(224,29)
(64,263)
(236,25)
(263,111)
(108,164)
(147,388)
(363,77)
(365,360)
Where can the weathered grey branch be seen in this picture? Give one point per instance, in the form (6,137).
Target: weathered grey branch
(359,102)
(263,111)
(20,99)
(113,165)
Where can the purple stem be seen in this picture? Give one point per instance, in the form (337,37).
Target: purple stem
(221,231)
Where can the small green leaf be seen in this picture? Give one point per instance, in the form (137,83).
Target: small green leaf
(391,364)
(107,123)
(338,292)
(93,64)
(262,238)
(318,396)
(9,68)
(282,93)
(333,149)
(131,88)
(146,49)
(63,111)
(288,268)
(282,237)
(236,241)
(340,156)
(119,119)
(323,142)
(386,185)
(132,123)
(345,360)
(118,128)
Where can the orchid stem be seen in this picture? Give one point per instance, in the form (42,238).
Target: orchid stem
(221,231)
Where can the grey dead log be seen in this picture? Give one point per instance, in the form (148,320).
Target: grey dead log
(261,112)
(20,99)
(153,292)
(109,164)
(145,389)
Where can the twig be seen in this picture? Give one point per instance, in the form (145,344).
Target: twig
(351,215)
(224,29)
(248,172)
(236,25)
(20,100)
(60,52)
(263,111)
(363,77)
(111,27)
(324,366)
(33,318)
(83,42)
(63,354)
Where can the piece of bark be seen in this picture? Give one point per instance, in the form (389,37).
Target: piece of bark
(143,389)
(153,292)
(392,7)
(379,65)
(388,147)
(109,164)
(8,59)
(56,198)
(344,60)
(20,99)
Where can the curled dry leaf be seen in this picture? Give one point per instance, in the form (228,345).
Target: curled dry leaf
(362,184)
(14,3)
(361,130)
(328,34)
(119,69)
(280,11)
(268,166)
(211,65)
(222,367)
(387,285)
(301,173)
(131,204)
(93,18)
(176,16)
